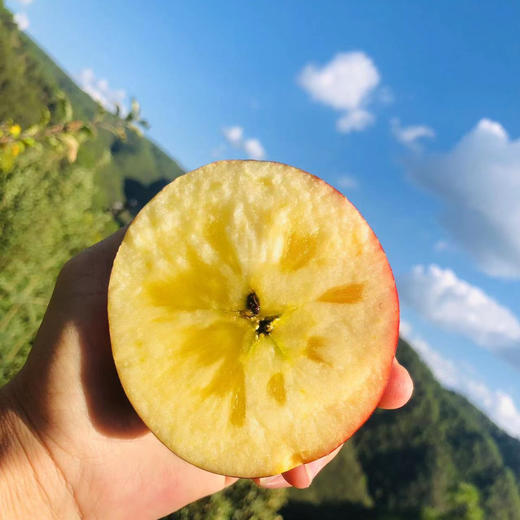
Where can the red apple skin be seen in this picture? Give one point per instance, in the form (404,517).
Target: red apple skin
(396,326)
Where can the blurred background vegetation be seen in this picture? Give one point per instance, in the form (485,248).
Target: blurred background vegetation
(71,173)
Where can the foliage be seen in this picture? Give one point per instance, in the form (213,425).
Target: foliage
(64,135)
(463,504)
(19,75)
(30,82)
(48,212)
(242,501)
(45,216)
(57,175)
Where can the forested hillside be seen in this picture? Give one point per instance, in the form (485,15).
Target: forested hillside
(31,81)
(437,458)
(63,206)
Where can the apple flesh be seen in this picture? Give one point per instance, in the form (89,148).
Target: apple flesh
(253,317)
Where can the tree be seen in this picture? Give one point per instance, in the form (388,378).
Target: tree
(463,504)
(48,213)
(242,501)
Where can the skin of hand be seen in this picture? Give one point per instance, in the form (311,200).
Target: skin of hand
(71,445)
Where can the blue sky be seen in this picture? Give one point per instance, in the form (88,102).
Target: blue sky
(410,108)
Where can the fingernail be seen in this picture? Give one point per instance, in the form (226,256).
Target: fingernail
(310,474)
(272,482)
(313,468)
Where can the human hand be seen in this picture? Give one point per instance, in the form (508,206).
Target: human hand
(68,422)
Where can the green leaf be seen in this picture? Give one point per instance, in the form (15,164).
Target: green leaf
(67,110)
(100,109)
(6,162)
(63,108)
(120,132)
(32,130)
(45,117)
(71,145)
(29,141)
(87,131)
(136,129)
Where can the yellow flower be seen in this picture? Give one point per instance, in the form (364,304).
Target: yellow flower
(15,130)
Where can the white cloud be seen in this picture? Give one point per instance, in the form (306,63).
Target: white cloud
(22,20)
(445,370)
(410,135)
(347,182)
(497,404)
(252,146)
(254,149)
(346,84)
(405,329)
(100,91)
(478,183)
(234,135)
(455,305)
(506,413)
(355,120)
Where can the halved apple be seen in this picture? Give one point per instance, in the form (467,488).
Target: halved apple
(253,317)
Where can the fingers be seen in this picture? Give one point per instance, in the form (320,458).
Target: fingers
(299,477)
(302,476)
(102,253)
(89,271)
(110,245)
(275,482)
(399,388)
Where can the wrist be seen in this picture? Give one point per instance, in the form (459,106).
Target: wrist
(30,481)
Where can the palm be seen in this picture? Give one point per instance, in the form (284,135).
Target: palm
(108,456)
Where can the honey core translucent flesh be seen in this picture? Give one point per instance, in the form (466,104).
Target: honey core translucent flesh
(253,317)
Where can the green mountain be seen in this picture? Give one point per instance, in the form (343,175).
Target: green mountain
(437,458)
(30,81)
